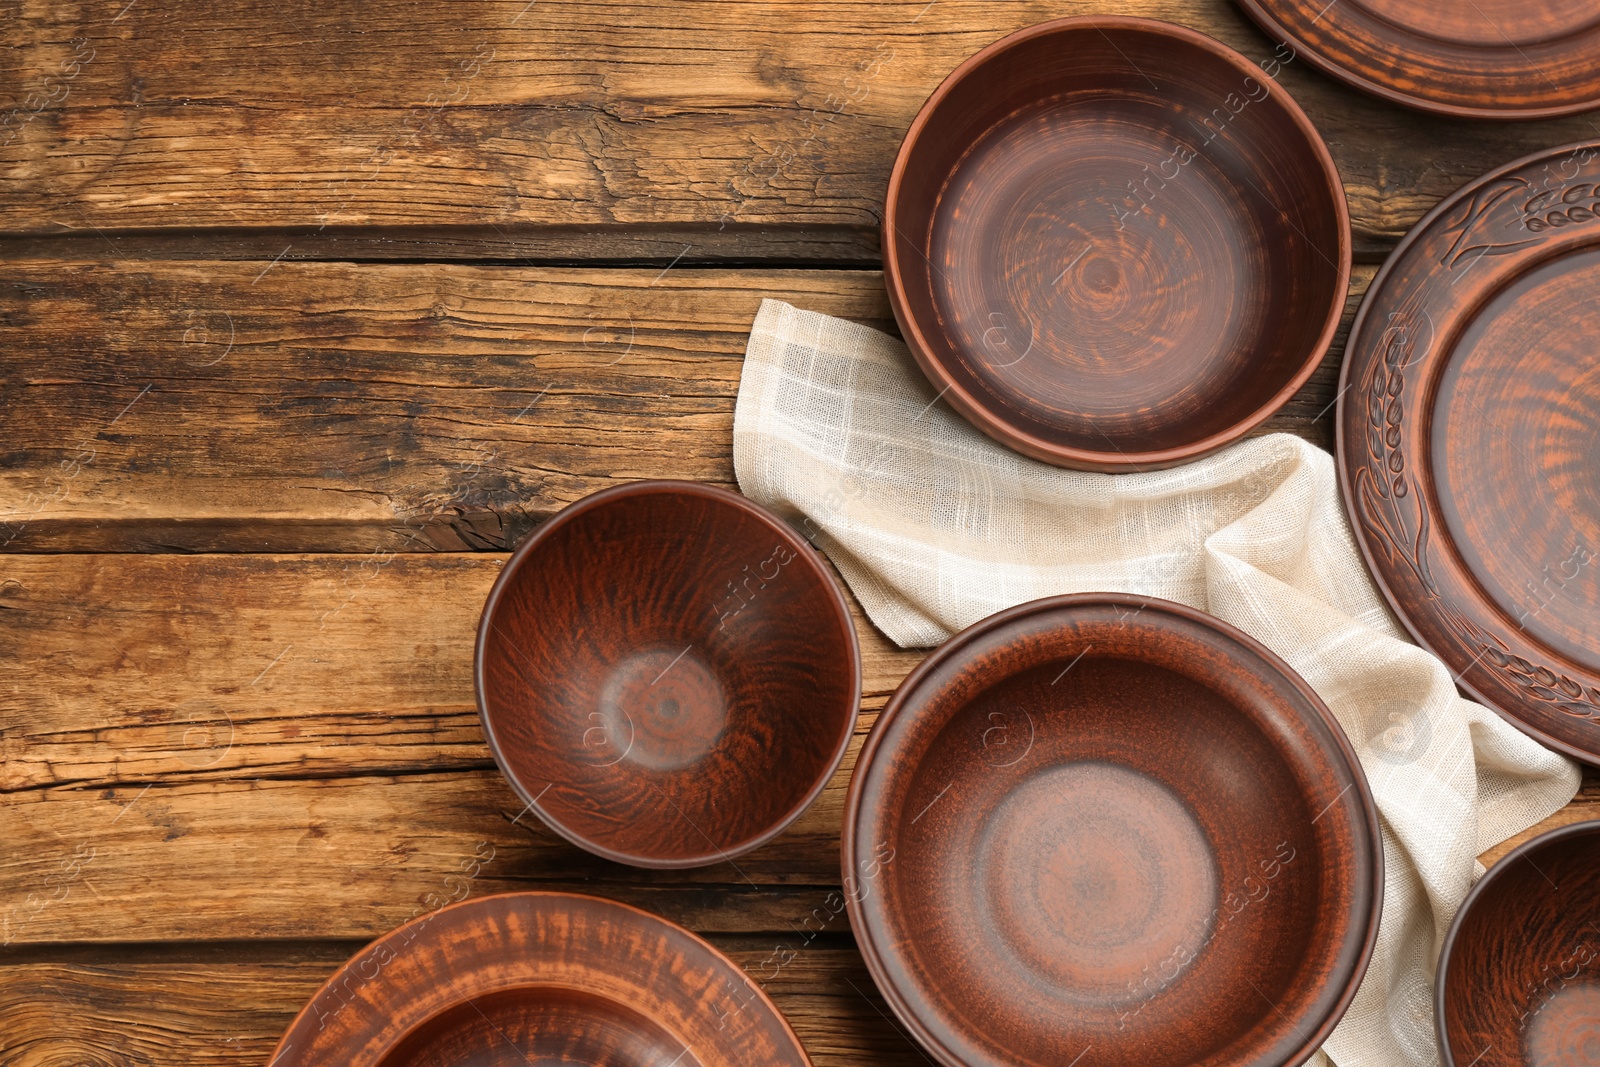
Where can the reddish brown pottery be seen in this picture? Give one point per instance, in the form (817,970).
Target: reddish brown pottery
(1519,977)
(667,674)
(1111,823)
(521,978)
(1469,440)
(1487,59)
(1114,243)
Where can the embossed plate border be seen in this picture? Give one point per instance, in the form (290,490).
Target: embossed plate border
(1467,249)
(1411,67)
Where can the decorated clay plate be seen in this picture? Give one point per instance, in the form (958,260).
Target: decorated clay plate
(1469,440)
(539,978)
(1510,59)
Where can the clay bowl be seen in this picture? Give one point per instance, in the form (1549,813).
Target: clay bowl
(1519,977)
(667,674)
(1109,822)
(1114,243)
(524,978)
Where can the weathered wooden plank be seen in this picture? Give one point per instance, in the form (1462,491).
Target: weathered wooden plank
(227,1003)
(241,860)
(348,857)
(593,113)
(234,861)
(180,733)
(385,402)
(165,406)
(128,1009)
(124,669)
(131,818)
(774,246)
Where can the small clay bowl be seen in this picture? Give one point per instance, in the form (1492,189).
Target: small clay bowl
(1114,243)
(539,978)
(1519,977)
(667,674)
(1109,822)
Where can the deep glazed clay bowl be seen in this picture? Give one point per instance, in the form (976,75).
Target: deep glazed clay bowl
(1519,977)
(1112,823)
(667,674)
(1114,243)
(539,978)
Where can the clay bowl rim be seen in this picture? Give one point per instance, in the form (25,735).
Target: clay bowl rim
(490,899)
(803,550)
(1369,557)
(1269,24)
(867,935)
(1533,844)
(994,425)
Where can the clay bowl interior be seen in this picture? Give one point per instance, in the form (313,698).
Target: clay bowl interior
(1106,822)
(667,674)
(1519,977)
(1115,242)
(515,1027)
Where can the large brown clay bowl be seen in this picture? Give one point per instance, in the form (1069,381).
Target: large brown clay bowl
(1519,977)
(539,978)
(1108,823)
(1114,243)
(667,674)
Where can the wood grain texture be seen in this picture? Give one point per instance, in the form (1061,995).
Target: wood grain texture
(121,670)
(595,114)
(238,753)
(228,1006)
(1113,244)
(368,408)
(240,859)
(130,732)
(1035,822)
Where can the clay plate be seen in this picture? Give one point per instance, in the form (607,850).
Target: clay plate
(1519,977)
(520,978)
(1108,822)
(1114,243)
(667,674)
(1469,440)
(1490,59)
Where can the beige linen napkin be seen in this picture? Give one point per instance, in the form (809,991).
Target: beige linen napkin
(935,526)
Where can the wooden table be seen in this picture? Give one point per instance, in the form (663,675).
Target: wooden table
(310,311)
